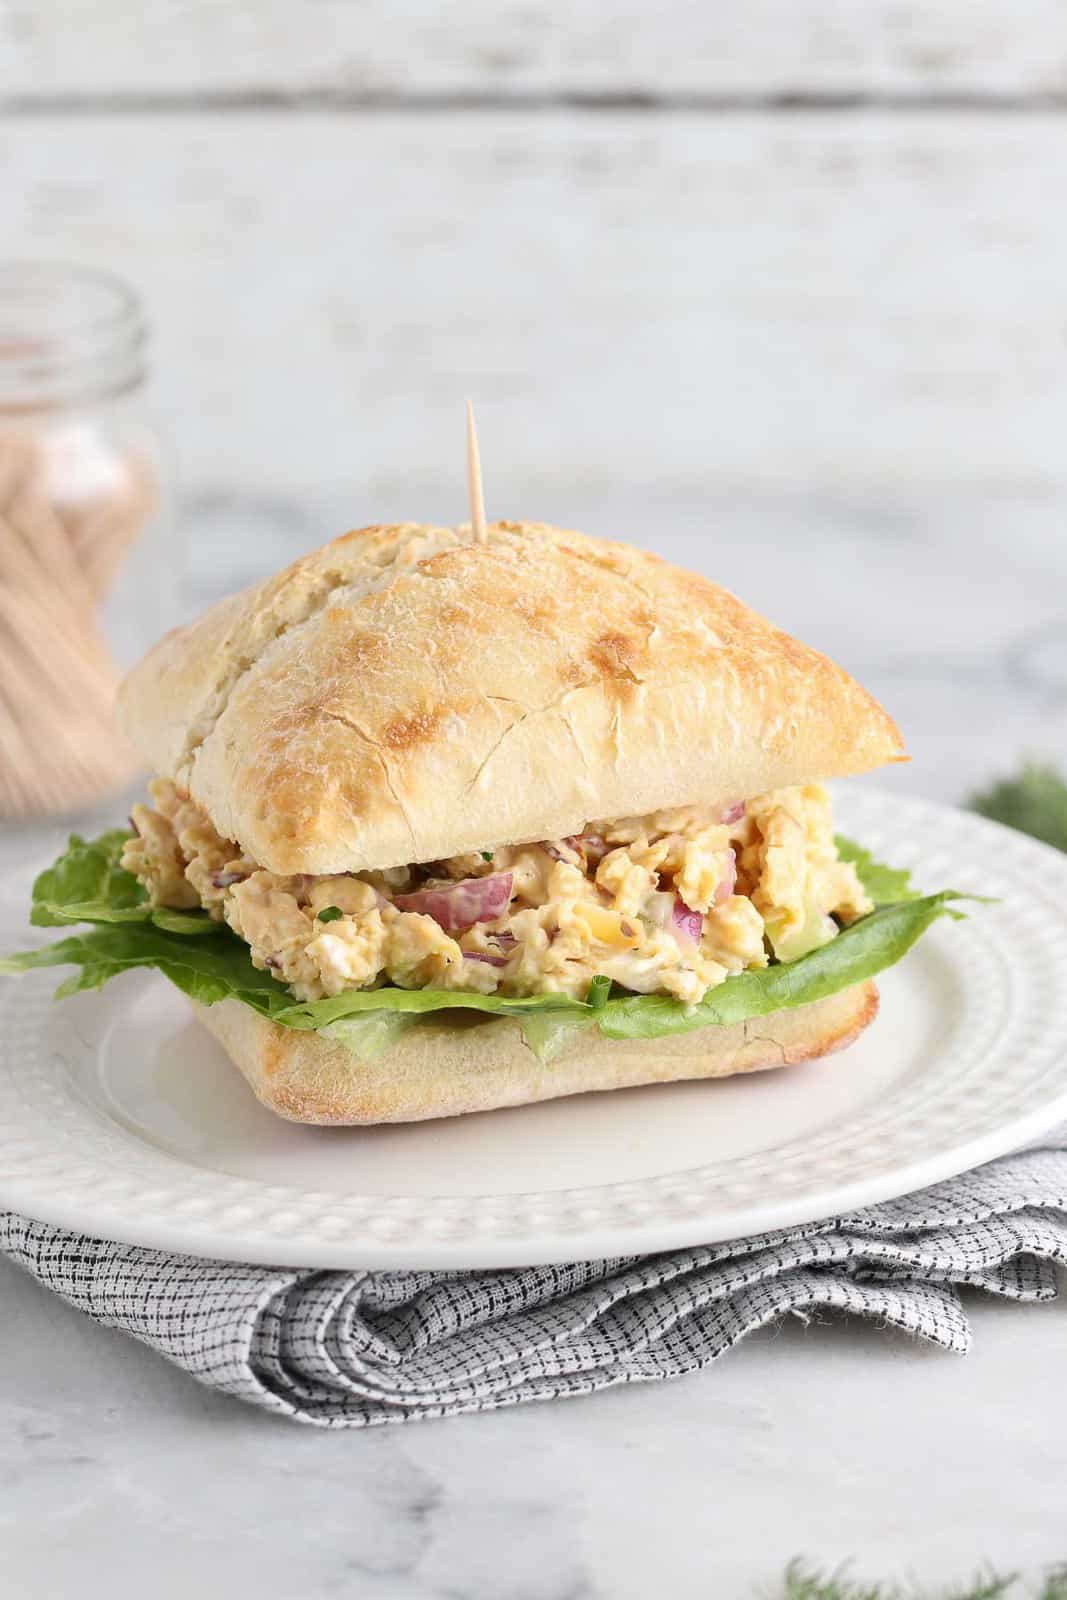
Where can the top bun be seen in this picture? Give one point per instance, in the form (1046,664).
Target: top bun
(405,694)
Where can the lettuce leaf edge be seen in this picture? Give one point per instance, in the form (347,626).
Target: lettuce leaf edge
(209,963)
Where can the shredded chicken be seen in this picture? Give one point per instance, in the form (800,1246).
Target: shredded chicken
(616,900)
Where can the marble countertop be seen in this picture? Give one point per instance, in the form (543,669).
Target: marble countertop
(123,1478)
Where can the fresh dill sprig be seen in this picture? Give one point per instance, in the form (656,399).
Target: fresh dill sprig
(803,1583)
(988,1587)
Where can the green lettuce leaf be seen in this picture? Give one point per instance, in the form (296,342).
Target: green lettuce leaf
(208,962)
(87,884)
(859,952)
(209,968)
(320,1013)
(219,966)
(885,885)
(549,1033)
(370,1035)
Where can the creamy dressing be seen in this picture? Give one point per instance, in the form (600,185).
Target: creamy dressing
(671,903)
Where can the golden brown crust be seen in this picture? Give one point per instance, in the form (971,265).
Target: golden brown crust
(404,695)
(454,1064)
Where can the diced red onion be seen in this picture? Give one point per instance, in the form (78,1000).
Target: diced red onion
(670,912)
(728,881)
(659,908)
(456,906)
(490,961)
(734,813)
(686,925)
(225,880)
(594,845)
(504,941)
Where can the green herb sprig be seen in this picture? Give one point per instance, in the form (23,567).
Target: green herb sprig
(1035,802)
(802,1583)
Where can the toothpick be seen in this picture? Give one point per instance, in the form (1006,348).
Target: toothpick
(474,479)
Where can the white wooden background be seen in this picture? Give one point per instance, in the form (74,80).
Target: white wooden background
(777,288)
(487,47)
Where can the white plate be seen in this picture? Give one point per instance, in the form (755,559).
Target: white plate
(121,1116)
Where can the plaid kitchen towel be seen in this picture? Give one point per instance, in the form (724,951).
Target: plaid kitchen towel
(352,1349)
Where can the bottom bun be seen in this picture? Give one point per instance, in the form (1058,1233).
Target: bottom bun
(456,1061)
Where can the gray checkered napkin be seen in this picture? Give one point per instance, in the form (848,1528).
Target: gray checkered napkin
(352,1349)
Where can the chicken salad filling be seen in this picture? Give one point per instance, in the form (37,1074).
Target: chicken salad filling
(672,903)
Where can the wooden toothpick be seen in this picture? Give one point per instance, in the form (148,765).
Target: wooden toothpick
(474,479)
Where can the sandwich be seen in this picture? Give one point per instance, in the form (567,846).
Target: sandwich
(443,823)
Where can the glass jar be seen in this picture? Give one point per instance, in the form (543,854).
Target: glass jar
(88,568)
